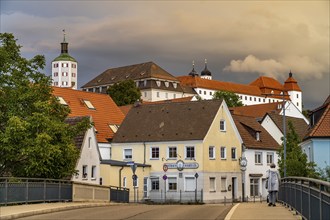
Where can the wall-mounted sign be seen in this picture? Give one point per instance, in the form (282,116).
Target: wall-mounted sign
(180,165)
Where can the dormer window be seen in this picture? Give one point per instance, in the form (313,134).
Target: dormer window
(272,92)
(258,136)
(89,104)
(137,83)
(145,83)
(166,84)
(114,128)
(158,83)
(175,85)
(61,100)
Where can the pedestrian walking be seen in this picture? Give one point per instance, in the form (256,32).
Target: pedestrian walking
(272,184)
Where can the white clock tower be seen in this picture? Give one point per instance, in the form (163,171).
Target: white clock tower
(64,68)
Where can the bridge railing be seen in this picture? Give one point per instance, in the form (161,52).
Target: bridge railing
(309,197)
(28,190)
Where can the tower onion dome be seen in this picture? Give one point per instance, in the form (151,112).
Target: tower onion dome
(193,71)
(64,56)
(206,72)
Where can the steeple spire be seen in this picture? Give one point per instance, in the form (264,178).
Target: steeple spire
(206,74)
(64,45)
(193,71)
(63,35)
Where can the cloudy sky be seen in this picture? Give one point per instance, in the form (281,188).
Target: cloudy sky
(241,40)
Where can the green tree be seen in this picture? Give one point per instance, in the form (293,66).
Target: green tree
(232,100)
(124,93)
(35,141)
(296,160)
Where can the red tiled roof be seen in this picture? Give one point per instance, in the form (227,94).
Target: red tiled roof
(106,111)
(219,85)
(322,127)
(257,111)
(267,82)
(291,85)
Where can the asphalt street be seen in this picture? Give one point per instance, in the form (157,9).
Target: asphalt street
(145,212)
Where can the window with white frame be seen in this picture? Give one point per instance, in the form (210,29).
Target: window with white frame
(212,184)
(222,125)
(166,84)
(157,94)
(211,152)
(174,96)
(89,104)
(166,95)
(61,100)
(172,153)
(93,172)
(258,157)
(258,136)
(154,183)
(254,186)
(145,83)
(172,183)
(189,183)
(145,94)
(84,171)
(223,152)
(190,152)
(127,154)
(124,182)
(175,85)
(158,83)
(233,153)
(154,153)
(223,184)
(270,157)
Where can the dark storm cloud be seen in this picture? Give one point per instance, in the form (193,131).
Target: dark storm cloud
(241,40)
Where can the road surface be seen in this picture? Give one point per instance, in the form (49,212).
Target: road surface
(145,212)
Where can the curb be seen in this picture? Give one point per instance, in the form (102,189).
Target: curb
(50,210)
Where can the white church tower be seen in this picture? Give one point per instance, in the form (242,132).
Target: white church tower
(64,68)
(293,89)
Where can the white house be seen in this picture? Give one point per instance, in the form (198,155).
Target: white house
(260,150)
(88,164)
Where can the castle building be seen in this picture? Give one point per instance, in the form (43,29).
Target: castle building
(64,68)
(156,84)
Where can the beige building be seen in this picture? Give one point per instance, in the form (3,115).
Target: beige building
(172,144)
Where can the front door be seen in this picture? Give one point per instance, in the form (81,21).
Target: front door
(234,188)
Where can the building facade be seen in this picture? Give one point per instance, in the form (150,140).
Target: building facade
(189,146)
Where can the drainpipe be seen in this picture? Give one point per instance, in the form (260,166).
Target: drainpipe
(120,175)
(144,156)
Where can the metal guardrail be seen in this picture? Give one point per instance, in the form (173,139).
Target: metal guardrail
(119,194)
(30,190)
(309,197)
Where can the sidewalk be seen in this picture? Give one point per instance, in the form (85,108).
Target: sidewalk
(257,210)
(18,211)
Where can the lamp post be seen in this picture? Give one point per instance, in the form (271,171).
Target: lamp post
(284,128)
(196,176)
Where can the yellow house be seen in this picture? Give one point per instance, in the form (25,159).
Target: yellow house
(184,152)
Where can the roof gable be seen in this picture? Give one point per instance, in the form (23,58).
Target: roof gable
(248,127)
(299,124)
(322,127)
(134,72)
(104,113)
(175,121)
